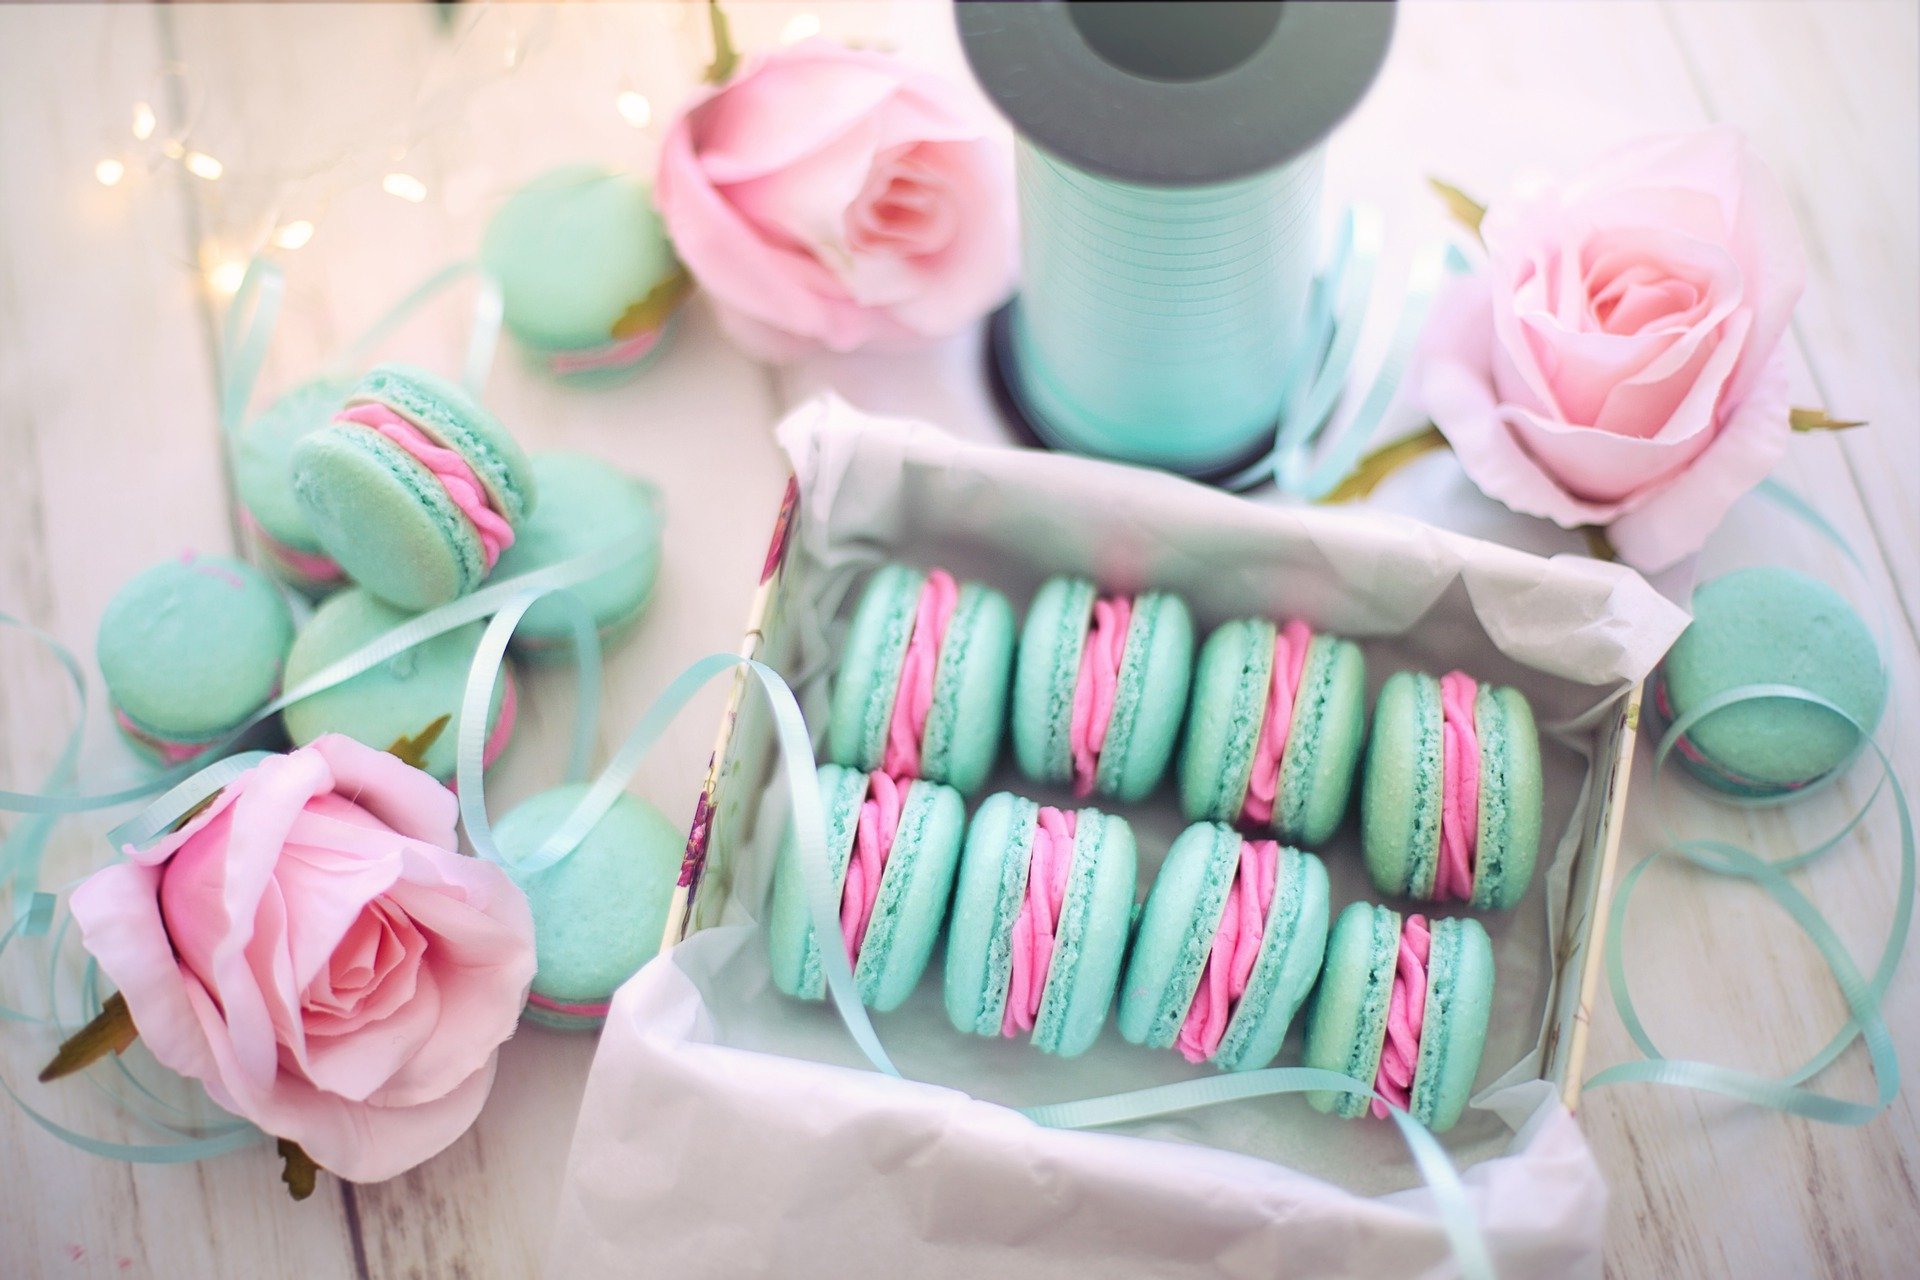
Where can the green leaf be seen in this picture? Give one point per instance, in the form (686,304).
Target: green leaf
(652,311)
(299,1172)
(111,1032)
(725,57)
(1467,211)
(414,750)
(1599,546)
(1817,420)
(1383,462)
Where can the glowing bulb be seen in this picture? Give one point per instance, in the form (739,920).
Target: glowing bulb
(634,108)
(202,165)
(405,186)
(294,234)
(172,149)
(109,172)
(225,277)
(799,27)
(143,121)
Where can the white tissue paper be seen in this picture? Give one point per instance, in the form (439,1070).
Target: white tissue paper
(729,1131)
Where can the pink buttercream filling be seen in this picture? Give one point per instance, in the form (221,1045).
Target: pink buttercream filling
(872,842)
(597,1009)
(1290,645)
(171,752)
(1235,950)
(608,355)
(308,564)
(503,726)
(914,698)
(1034,929)
(447,466)
(1406,1014)
(1096,685)
(1460,783)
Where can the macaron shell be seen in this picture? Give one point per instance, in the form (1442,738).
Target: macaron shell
(968,719)
(1347,1020)
(444,411)
(793,954)
(1453,1036)
(193,646)
(1176,932)
(1045,674)
(1151,700)
(600,912)
(400,697)
(1090,939)
(587,505)
(915,888)
(1508,839)
(1401,797)
(1329,729)
(385,519)
(869,675)
(263,458)
(1223,722)
(986,901)
(1291,952)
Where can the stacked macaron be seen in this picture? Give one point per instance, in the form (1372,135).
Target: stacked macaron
(1276,729)
(263,478)
(1452,798)
(1101,687)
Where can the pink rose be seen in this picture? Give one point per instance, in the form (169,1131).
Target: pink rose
(313,949)
(840,198)
(1618,362)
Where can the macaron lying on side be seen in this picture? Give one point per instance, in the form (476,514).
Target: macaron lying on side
(413,488)
(1450,810)
(399,700)
(1276,729)
(263,479)
(1041,914)
(1227,950)
(1100,687)
(922,687)
(188,650)
(1403,1005)
(585,504)
(601,911)
(891,850)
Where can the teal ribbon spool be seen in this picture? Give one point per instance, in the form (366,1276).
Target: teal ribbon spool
(1169,175)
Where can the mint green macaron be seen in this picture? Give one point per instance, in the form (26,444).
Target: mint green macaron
(1325,733)
(189,649)
(1404,794)
(394,523)
(1090,932)
(1770,625)
(601,911)
(1347,1019)
(1149,691)
(916,878)
(966,720)
(263,480)
(588,281)
(585,504)
(1176,936)
(399,700)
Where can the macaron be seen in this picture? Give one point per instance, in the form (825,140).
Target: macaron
(601,911)
(1227,949)
(1275,730)
(413,487)
(189,649)
(1100,687)
(588,281)
(1450,808)
(1770,625)
(922,686)
(1402,1005)
(263,479)
(891,851)
(1041,913)
(411,698)
(584,505)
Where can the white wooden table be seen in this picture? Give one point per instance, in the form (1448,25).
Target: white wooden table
(109,459)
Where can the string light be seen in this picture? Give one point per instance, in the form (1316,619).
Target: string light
(225,277)
(109,171)
(202,165)
(294,234)
(405,186)
(143,121)
(634,108)
(799,27)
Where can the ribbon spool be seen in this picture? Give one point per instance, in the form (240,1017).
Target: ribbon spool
(1169,177)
